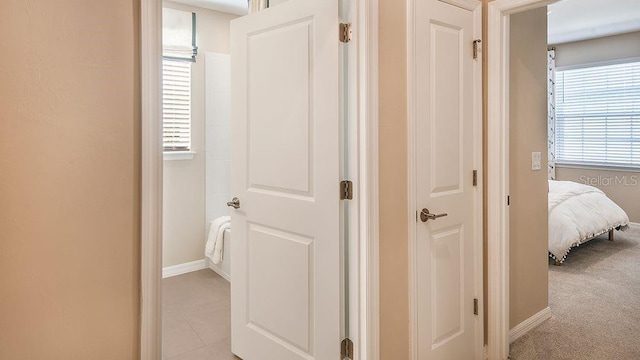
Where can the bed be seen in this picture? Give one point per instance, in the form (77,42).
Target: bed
(577,214)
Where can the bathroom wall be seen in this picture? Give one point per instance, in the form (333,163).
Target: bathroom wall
(218,134)
(184,222)
(218,143)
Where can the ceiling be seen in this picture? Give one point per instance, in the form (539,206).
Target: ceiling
(238,7)
(574,20)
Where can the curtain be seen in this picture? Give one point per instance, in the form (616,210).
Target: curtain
(258,5)
(551,113)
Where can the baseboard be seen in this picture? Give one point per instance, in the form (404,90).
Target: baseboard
(180,269)
(524,327)
(218,270)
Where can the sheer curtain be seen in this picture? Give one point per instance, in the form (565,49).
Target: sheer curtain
(551,114)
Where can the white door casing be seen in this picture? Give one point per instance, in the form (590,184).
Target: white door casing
(285,257)
(497,132)
(446,113)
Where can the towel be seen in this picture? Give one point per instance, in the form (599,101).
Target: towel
(215,241)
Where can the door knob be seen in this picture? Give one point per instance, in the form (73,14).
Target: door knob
(425,215)
(234,203)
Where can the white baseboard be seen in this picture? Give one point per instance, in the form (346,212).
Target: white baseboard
(180,269)
(524,327)
(218,270)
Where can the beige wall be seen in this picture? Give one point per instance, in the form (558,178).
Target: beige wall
(528,282)
(621,186)
(69,180)
(394,269)
(184,180)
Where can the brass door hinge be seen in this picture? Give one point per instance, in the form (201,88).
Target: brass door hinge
(346,349)
(475,177)
(346,190)
(475,48)
(345,32)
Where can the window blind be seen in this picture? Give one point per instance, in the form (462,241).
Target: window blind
(598,115)
(179,35)
(176,105)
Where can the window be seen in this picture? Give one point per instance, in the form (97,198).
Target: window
(176,105)
(179,52)
(598,115)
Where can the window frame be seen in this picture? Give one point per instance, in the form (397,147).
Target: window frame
(563,163)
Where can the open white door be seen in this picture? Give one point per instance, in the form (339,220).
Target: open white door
(447,118)
(285,252)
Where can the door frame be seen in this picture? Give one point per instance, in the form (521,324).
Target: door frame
(474,6)
(497,167)
(364,265)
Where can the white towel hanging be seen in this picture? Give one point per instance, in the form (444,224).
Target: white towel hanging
(215,241)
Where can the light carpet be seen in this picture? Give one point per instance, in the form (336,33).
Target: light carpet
(595,304)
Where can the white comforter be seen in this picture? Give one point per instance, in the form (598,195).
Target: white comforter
(577,213)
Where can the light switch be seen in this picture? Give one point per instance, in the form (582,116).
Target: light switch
(536,161)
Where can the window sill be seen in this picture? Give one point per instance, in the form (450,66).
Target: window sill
(178,155)
(598,167)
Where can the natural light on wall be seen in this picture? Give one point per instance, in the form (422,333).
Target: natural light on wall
(598,115)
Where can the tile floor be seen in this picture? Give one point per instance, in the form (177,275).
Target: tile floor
(196,316)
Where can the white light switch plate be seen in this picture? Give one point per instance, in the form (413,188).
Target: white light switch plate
(536,161)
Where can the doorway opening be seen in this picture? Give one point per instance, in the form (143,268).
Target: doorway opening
(196,232)
(591,196)
(528,239)
(360,311)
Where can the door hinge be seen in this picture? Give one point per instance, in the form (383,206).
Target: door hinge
(508,200)
(475,177)
(475,306)
(346,190)
(345,32)
(475,48)
(346,349)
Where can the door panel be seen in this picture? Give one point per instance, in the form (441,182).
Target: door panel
(285,255)
(292,297)
(446,98)
(444,169)
(283,160)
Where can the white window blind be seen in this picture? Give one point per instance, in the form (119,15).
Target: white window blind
(179,35)
(598,115)
(176,105)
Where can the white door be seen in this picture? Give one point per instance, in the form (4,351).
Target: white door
(447,116)
(285,252)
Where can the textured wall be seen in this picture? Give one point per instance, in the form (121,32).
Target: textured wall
(394,269)
(69,179)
